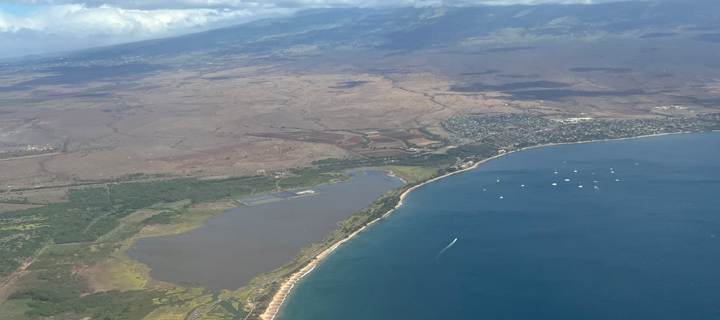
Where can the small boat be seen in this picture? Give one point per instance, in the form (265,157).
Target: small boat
(575,170)
(567,180)
(617,180)
(501,197)
(554,184)
(580,185)
(498,180)
(522,186)
(555,171)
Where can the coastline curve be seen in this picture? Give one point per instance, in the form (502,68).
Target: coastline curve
(280,296)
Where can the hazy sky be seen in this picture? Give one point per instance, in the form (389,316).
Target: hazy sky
(42,26)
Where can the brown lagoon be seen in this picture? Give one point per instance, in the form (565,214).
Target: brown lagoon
(244,242)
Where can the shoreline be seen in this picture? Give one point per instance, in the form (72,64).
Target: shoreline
(279,298)
(281,295)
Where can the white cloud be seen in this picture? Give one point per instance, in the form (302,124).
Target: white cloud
(254,4)
(74,26)
(57,25)
(79,20)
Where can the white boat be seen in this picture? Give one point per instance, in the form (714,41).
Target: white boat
(554,184)
(522,186)
(567,180)
(501,197)
(575,170)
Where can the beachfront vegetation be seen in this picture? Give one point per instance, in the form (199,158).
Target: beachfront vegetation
(480,151)
(55,286)
(429,134)
(90,213)
(375,210)
(91,225)
(94,225)
(424,160)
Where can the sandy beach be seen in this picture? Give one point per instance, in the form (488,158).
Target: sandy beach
(288,285)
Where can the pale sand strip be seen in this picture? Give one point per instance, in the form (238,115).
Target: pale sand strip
(287,286)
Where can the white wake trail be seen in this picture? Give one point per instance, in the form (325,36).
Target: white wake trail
(443,250)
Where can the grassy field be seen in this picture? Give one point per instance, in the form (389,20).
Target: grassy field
(407,174)
(15,309)
(83,271)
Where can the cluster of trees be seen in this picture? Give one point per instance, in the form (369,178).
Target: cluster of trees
(92,212)
(429,134)
(50,300)
(308,177)
(422,160)
(481,151)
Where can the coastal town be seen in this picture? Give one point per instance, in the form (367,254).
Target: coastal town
(523,130)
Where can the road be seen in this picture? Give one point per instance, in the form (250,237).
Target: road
(33,156)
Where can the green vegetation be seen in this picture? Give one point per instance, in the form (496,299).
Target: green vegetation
(429,134)
(92,212)
(361,218)
(481,151)
(375,210)
(423,160)
(89,228)
(111,305)
(410,174)
(308,177)
(15,309)
(93,223)
(56,288)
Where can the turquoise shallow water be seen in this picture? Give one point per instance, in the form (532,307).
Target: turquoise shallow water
(644,247)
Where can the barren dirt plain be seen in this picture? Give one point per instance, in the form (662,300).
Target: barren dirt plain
(218,113)
(219,122)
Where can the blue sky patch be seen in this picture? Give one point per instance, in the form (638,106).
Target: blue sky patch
(15,9)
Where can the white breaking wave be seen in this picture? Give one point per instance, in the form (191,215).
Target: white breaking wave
(443,250)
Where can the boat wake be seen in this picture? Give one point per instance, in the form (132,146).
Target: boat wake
(443,250)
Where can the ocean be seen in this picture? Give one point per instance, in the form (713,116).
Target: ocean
(639,240)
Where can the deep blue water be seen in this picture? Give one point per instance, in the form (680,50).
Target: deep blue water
(644,247)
